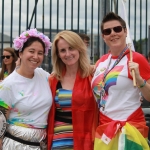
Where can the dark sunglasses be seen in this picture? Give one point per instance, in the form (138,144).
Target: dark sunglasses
(7,56)
(117,29)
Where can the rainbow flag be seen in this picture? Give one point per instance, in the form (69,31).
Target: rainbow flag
(123,14)
(128,138)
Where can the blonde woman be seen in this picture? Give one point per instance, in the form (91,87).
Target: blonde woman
(73,116)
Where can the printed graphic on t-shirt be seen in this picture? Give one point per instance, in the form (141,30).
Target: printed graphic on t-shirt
(110,80)
(119,93)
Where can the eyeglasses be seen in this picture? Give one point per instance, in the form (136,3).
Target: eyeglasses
(117,29)
(7,56)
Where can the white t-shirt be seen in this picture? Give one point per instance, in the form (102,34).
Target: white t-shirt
(121,97)
(29,100)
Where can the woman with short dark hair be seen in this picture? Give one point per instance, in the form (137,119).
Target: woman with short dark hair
(121,120)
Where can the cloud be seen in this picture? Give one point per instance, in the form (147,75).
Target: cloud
(61,13)
(135,18)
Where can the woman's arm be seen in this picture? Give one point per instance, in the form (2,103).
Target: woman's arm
(4,113)
(144,86)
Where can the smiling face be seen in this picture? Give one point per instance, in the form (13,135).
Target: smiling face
(32,57)
(115,41)
(67,54)
(7,61)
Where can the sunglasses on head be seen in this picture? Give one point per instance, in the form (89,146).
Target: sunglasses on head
(7,56)
(117,29)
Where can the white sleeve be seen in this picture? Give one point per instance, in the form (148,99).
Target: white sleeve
(5,95)
(43,72)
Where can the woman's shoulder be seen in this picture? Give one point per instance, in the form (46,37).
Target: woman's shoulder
(9,80)
(52,77)
(138,57)
(41,70)
(102,58)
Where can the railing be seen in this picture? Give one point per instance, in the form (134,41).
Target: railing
(51,16)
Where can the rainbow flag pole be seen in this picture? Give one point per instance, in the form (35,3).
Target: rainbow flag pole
(129,42)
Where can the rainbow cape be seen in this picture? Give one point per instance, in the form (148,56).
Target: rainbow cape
(122,135)
(129,138)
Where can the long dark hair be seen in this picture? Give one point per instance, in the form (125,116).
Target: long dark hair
(13,65)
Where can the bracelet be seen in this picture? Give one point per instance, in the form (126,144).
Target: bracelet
(142,84)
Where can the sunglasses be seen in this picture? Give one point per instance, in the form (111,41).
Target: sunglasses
(7,56)
(117,29)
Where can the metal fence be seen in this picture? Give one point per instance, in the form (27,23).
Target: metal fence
(52,16)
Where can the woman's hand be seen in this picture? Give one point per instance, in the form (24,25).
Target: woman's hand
(134,66)
(144,86)
(18,62)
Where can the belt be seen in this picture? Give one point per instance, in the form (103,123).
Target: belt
(21,140)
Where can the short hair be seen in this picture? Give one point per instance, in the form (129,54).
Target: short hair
(12,52)
(112,16)
(84,36)
(75,42)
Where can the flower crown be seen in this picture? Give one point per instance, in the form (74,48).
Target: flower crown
(19,41)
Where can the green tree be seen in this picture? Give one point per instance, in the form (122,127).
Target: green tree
(140,46)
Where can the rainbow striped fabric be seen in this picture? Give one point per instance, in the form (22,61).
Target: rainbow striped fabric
(63,136)
(63,131)
(129,138)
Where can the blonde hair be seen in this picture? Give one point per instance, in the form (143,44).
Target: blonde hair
(75,42)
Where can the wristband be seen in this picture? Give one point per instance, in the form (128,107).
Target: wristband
(142,84)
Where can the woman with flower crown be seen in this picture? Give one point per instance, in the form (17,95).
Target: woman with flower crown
(25,96)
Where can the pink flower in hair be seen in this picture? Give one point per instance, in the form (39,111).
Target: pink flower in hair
(41,35)
(19,41)
(32,32)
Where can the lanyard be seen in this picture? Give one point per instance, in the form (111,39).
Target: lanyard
(101,102)
(115,63)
